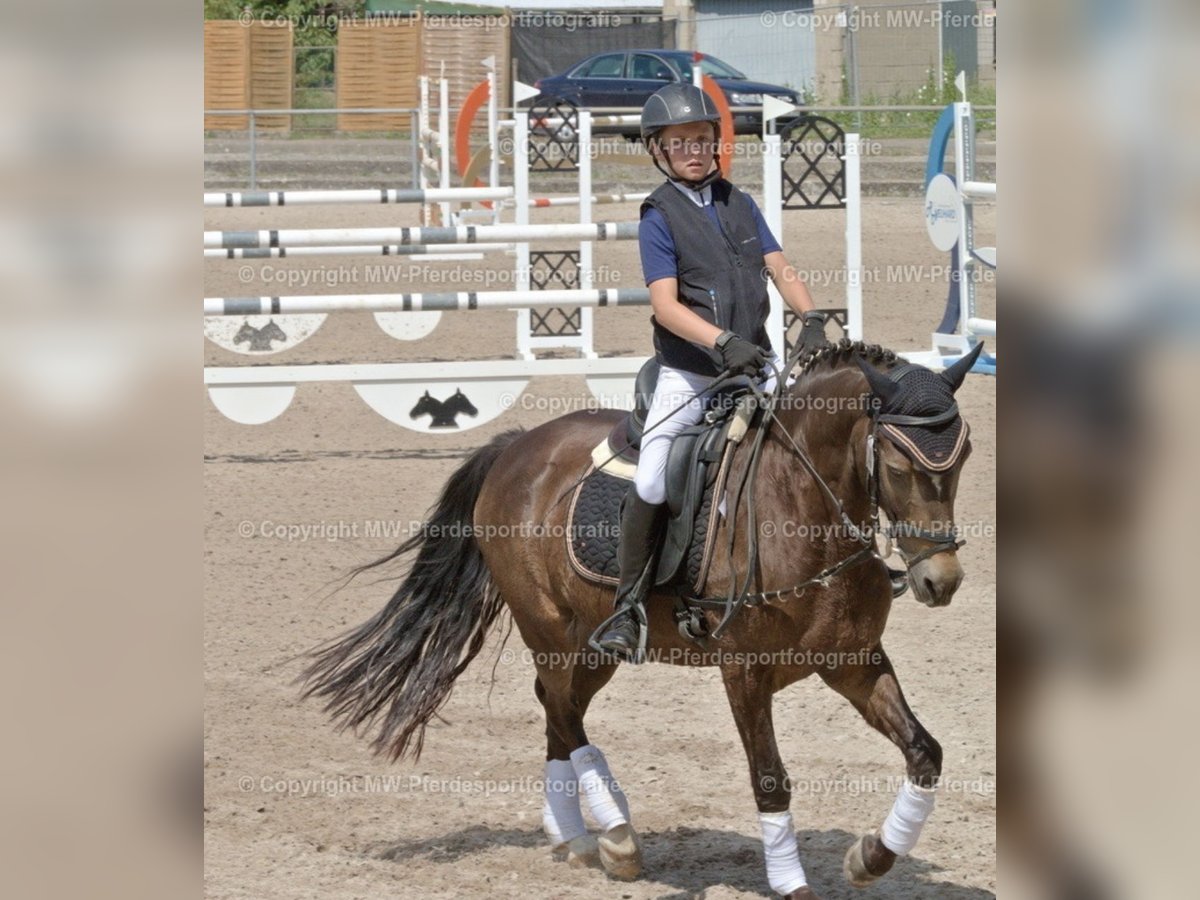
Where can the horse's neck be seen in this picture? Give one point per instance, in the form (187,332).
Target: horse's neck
(828,419)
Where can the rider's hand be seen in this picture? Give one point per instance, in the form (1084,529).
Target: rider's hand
(739,355)
(812,335)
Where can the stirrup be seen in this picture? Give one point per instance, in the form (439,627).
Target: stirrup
(639,616)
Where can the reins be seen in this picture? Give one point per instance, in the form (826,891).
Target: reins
(739,597)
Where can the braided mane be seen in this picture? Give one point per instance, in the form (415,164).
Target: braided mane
(843,353)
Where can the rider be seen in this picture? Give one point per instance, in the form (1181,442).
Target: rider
(706,253)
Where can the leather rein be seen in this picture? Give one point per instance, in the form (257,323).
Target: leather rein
(737,598)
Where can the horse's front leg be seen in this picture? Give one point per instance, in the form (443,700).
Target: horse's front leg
(875,692)
(749,690)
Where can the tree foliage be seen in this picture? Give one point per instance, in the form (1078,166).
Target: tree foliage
(314,22)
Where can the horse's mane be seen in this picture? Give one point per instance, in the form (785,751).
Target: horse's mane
(832,357)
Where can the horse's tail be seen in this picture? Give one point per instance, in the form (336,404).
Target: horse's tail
(397,669)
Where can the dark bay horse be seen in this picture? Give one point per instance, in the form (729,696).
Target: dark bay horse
(858,431)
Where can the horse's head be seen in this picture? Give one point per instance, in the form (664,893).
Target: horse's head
(462,404)
(424,406)
(920,443)
(245,333)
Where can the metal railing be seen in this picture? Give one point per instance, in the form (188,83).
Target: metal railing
(251,116)
(507,112)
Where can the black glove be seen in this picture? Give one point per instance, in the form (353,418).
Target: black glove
(739,355)
(812,335)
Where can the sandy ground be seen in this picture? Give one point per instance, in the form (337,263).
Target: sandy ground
(293,809)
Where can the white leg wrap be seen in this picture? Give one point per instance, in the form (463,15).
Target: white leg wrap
(561,816)
(903,825)
(604,796)
(784,872)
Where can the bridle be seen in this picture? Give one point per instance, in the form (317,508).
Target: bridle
(939,542)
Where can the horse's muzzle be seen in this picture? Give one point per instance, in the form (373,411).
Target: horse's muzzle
(935,579)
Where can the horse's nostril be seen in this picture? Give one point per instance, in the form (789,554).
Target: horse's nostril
(930,587)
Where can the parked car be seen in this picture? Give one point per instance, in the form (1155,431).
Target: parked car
(627,78)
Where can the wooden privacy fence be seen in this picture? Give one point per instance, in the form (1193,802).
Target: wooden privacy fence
(378,64)
(247,66)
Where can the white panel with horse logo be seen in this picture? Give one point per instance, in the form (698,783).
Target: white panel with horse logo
(257,335)
(440,406)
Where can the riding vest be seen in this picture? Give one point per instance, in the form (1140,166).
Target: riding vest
(721,275)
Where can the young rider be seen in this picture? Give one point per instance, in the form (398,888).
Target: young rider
(706,253)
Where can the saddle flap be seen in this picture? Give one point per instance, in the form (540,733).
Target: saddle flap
(690,468)
(644,385)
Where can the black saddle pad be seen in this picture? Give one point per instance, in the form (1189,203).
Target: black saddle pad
(594,527)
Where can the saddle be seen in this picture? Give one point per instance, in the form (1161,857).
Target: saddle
(697,466)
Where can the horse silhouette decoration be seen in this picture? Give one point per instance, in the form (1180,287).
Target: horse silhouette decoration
(259,338)
(444,412)
(861,432)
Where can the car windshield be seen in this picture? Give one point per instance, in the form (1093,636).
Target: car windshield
(710,66)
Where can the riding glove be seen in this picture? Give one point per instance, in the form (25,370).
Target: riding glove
(812,335)
(739,355)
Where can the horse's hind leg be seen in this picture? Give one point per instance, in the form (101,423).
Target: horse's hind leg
(581,769)
(875,692)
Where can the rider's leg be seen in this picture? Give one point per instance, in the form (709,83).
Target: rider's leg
(673,408)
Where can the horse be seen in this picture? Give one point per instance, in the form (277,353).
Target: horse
(857,431)
(443,412)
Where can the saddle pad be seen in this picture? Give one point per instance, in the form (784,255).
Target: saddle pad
(594,526)
(603,459)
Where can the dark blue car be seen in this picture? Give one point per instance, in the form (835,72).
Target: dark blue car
(627,78)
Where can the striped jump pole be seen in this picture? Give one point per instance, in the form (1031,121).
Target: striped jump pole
(231,199)
(540,202)
(421,302)
(351,250)
(559,121)
(461,234)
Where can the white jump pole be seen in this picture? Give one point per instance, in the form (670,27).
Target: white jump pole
(458,251)
(969,191)
(423,134)
(597,199)
(247,199)
(521,217)
(773,215)
(459,234)
(854,264)
(586,270)
(493,127)
(420,302)
(444,140)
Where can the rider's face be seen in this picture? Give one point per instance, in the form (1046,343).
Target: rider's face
(689,149)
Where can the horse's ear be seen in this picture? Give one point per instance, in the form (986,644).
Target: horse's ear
(427,393)
(881,386)
(957,373)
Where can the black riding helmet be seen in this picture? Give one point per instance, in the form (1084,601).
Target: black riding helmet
(678,104)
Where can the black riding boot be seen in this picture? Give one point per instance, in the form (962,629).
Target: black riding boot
(641,523)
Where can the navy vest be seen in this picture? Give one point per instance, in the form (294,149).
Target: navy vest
(721,276)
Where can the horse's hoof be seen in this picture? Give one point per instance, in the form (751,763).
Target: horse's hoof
(804,893)
(867,860)
(620,852)
(583,851)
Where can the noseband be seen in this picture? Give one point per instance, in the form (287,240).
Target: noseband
(939,542)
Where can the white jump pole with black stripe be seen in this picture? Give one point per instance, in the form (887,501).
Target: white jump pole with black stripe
(366,196)
(458,234)
(421,302)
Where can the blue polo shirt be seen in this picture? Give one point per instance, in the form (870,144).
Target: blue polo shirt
(658,249)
